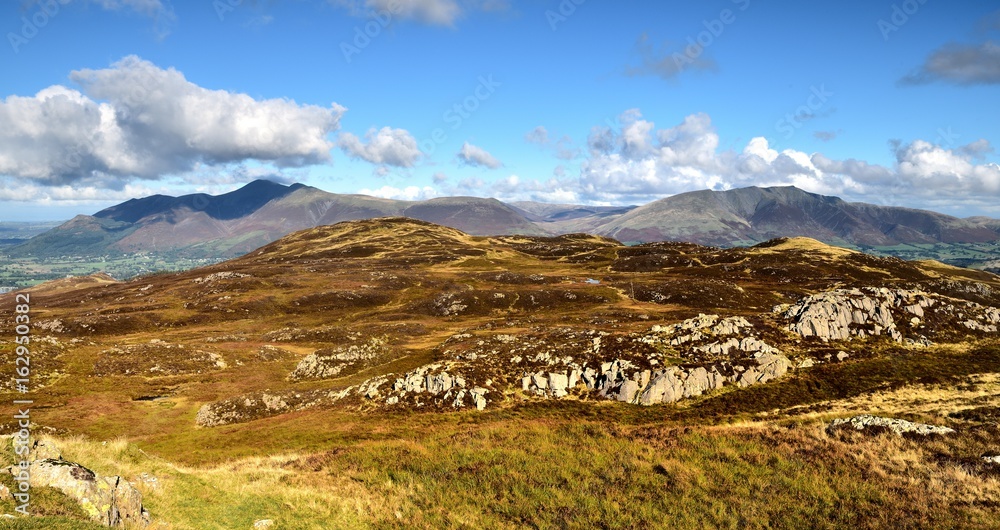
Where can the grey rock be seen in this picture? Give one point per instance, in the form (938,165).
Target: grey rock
(895,425)
(628,391)
(111,501)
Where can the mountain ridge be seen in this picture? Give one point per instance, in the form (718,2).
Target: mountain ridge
(262,211)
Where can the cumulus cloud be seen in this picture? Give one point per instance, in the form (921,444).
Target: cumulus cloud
(477,157)
(925,165)
(137,120)
(637,162)
(14,190)
(960,64)
(431,12)
(384,147)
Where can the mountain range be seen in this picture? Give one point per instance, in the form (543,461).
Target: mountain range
(235,223)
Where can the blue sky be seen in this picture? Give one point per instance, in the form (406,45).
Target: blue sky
(551,100)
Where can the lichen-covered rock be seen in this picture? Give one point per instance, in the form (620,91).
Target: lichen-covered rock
(111,501)
(898,426)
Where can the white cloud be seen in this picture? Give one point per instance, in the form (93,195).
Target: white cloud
(136,120)
(476,156)
(635,162)
(409,193)
(945,171)
(431,12)
(14,190)
(385,147)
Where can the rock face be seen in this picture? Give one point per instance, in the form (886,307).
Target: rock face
(867,421)
(621,381)
(111,501)
(843,314)
(332,362)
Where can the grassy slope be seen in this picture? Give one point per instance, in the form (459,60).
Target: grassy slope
(555,465)
(727,460)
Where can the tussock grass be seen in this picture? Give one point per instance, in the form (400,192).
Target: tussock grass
(577,474)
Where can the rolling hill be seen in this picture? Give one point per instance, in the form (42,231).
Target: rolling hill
(752,215)
(229,225)
(353,375)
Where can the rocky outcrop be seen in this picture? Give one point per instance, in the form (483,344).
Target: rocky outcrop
(621,381)
(867,422)
(708,337)
(844,314)
(480,369)
(249,407)
(341,360)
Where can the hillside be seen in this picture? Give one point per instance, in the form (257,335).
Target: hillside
(229,225)
(398,364)
(202,226)
(752,215)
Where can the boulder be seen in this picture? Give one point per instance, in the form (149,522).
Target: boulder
(898,426)
(111,501)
